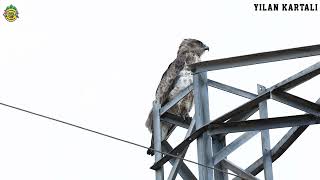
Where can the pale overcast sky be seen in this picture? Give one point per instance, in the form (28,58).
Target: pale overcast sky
(98,63)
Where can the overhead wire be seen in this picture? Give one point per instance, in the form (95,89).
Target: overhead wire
(118,139)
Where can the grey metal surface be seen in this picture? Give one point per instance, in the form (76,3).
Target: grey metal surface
(176,120)
(157,138)
(244,109)
(217,145)
(224,152)
(296,102)
(286,84)
(277,150)
(177,162)
(202,117)
(286,141)
(184,171)
(242,117)
(231,89)
(176,166)
(258,58)
(234,168)
(178,149)
(262,124)
(265,138)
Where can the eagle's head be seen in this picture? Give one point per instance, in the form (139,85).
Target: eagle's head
(192,46)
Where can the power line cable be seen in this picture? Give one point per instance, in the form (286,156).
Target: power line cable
(116,138)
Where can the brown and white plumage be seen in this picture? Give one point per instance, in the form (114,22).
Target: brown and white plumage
(177,77)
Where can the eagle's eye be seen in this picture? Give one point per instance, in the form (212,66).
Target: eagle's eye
(192,45)
(199,43)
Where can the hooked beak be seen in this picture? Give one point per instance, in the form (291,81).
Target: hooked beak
(206,48)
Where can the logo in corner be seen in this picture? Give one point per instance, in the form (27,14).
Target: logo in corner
(11,13)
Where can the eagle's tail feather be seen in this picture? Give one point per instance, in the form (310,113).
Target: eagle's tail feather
(149,125)
(166,130)
(149,122)
(165,133)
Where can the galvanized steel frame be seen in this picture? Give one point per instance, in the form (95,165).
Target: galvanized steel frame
(210,135)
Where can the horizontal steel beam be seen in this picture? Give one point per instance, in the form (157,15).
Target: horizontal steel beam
(296,102)
(234,168)
(231,89)
(176,99)
(262,124)
(176,120)
(257,58)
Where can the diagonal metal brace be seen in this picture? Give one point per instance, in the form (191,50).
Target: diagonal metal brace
(296,102)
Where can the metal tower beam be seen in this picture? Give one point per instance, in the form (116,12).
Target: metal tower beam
(231,89)
(263,124)
(202,117)
(234,168)
(265,138)
(246,108)
(224,152)
(211,144)
(157,138)
(175,120)
(258,58)
(286,141)
(219,143)
(183,171)
(297,102)
(177,162)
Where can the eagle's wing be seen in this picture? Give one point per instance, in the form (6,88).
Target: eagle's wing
(165,86)
(168,79)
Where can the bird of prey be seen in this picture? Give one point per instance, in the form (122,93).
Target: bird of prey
(177,77)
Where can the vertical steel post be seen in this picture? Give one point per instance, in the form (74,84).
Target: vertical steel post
(157,138)
(204,144)
(265,139)
(219,143)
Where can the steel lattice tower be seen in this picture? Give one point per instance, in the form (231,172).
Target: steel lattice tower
(212,149)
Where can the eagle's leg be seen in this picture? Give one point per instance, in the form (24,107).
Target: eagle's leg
(150,149)
(186,116)
(184,112)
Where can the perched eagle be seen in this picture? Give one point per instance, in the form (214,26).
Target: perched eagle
(177,77)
